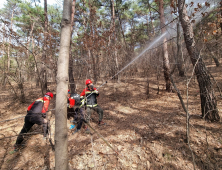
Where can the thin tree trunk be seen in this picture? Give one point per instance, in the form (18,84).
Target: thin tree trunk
(9,52)
(114,36)
(179,57)
(29,41)
(166,64)
(151,19)
(208,100)
(38,79)
(61,136)
(20,81)
(91,50)
(29,48)
(221,15)
(4,71)
(45,43)
(124,39)
(44,55)
(175,58)
(71,76)
(94,68)
(217,50)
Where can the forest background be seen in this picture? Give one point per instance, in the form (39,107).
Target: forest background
(162,100)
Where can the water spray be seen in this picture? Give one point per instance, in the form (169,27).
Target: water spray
(148,48)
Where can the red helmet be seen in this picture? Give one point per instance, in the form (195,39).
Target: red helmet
(88,81)
(49,94)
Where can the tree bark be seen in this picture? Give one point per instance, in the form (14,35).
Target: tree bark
(94,68)
(114,36)
(208,100)
(44,55)
(179,57)
(217,49)
(61,138)
(71,76)
(10,39)
(166,64)
(151,18)
(221,15)
(4,69)
(20,81)
(121,29)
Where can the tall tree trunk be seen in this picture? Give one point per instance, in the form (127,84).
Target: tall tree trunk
(9,52)
(166,64)
(4,71)
(120,25)
(179,57)
(217,49)
(30,39)
(221,15)
(208,100)
(20,81)
(114,36)
(91,50)
(71,76)
(176,60)
(94,68)
(44,55)
(61,137)
(151,18)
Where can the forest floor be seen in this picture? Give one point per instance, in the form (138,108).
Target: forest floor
(147,132)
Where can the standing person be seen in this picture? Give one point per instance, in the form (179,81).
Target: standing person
(36,114)
(91,94)
(75,110)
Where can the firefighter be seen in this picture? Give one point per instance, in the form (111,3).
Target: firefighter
(36,114)
(91,94)
(75,110)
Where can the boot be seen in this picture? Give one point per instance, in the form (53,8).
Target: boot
(76,131)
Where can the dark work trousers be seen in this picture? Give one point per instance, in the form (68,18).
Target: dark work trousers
(30,120)
(97,109)
(70,113)
(77,116)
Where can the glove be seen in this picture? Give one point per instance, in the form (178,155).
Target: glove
(83,101)
(96,91)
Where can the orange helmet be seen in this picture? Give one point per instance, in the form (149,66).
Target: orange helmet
(88,81)
(49,94)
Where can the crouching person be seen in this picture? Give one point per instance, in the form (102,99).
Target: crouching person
(36,114)
(75,110)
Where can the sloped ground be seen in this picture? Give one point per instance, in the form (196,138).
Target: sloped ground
(147,133)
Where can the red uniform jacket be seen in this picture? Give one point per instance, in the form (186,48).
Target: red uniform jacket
(91,100)
(40,105)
